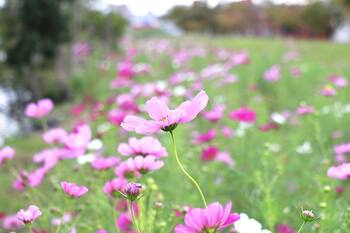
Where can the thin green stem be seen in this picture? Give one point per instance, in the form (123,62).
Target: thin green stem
(30,226)
(62,218)
(301,227)
(133,217)
(185,172)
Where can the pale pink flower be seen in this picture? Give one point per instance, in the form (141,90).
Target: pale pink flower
(73,190)
(328,90)
(6,153)
(29,215)
(138,165)
(295,72)
(338,81)
(163,118)
(144,146)
(212,153)
(305,110)
(40,109)
(240,58)
(57,135)
(340,172)
(342,148)
(215,114)
(79,139)
(115,186)
(214,217)
(243,114)
(227,132)
(104,163)
(273,74)
(11,222)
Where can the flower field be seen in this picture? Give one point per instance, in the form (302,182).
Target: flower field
(188,135)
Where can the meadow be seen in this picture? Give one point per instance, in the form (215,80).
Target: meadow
(272,139)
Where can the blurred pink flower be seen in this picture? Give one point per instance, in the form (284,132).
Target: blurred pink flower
(113,187)
(342,148)
(40,109)
(57,135)
(295,72)
(6,153)
(227,132)
(104,163)
(138,165)
(305,109)
(11,222)
(243,114)
(124,223)
(144,147)
(29,215)
(338,81)
(79,138)
(328,90)
(116,116)
(163,118)
(284,228)
(340,172)
(73,190)
(212,153)
(215,114)
(214,217)
(205,137)
(273,74)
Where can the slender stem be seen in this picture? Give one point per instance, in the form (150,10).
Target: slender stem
(30,226)
(133,217)
(185,172)
(301,227)
(62,218)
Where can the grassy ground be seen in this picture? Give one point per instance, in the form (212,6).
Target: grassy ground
(269,186)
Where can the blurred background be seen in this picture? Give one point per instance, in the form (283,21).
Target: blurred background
(43,42)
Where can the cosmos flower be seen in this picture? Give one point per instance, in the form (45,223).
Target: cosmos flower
(243,114)
(138,165)
(29,215)
(144,147)
(6,153)
(213,218)
(73,190)
(40,109)
(273,74)
(163,118)
(56,135)
(103,163)
(340,172)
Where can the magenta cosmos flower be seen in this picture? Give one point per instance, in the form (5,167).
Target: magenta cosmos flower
(211,219)
(29,215)
(114,187)
(40,109)
(243,114)
(73,190)
(163,118)
(138,165)
(144,146)
(340,172)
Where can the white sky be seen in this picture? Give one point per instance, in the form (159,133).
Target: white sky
(160,7)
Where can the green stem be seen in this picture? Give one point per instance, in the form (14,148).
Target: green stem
(30,226)
(301,227)
(62,218)
(185,172)
(133,217)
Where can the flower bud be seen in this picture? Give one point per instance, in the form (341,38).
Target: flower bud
(308,215)
(133,191)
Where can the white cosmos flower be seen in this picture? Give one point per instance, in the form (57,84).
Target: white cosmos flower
(248,225)
(304,148)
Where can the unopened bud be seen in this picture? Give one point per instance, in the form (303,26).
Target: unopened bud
(308,215)
(133,191)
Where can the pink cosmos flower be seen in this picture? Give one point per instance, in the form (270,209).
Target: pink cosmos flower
(11,222)
(284,228)
(213,218)
(212,153)
(138,165)
(115,186)
(240,58)
(205,137)
(104,163)
(340,172)
(273,74)
(295,72)
(338,81)
(6,153)
(29,215)
(144,147)
(40,109)
(116,116)
(227,132)
(124,223)
(163,118)
(73,190)
(215,114)
(79,139)
(127,103)
(243,114)
(125,70)
(57,135)
(305,110)
(328,90)
(268,126)
(342,148)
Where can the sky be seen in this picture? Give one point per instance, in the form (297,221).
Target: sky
(160,7)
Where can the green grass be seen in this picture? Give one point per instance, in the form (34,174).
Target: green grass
(258,184)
